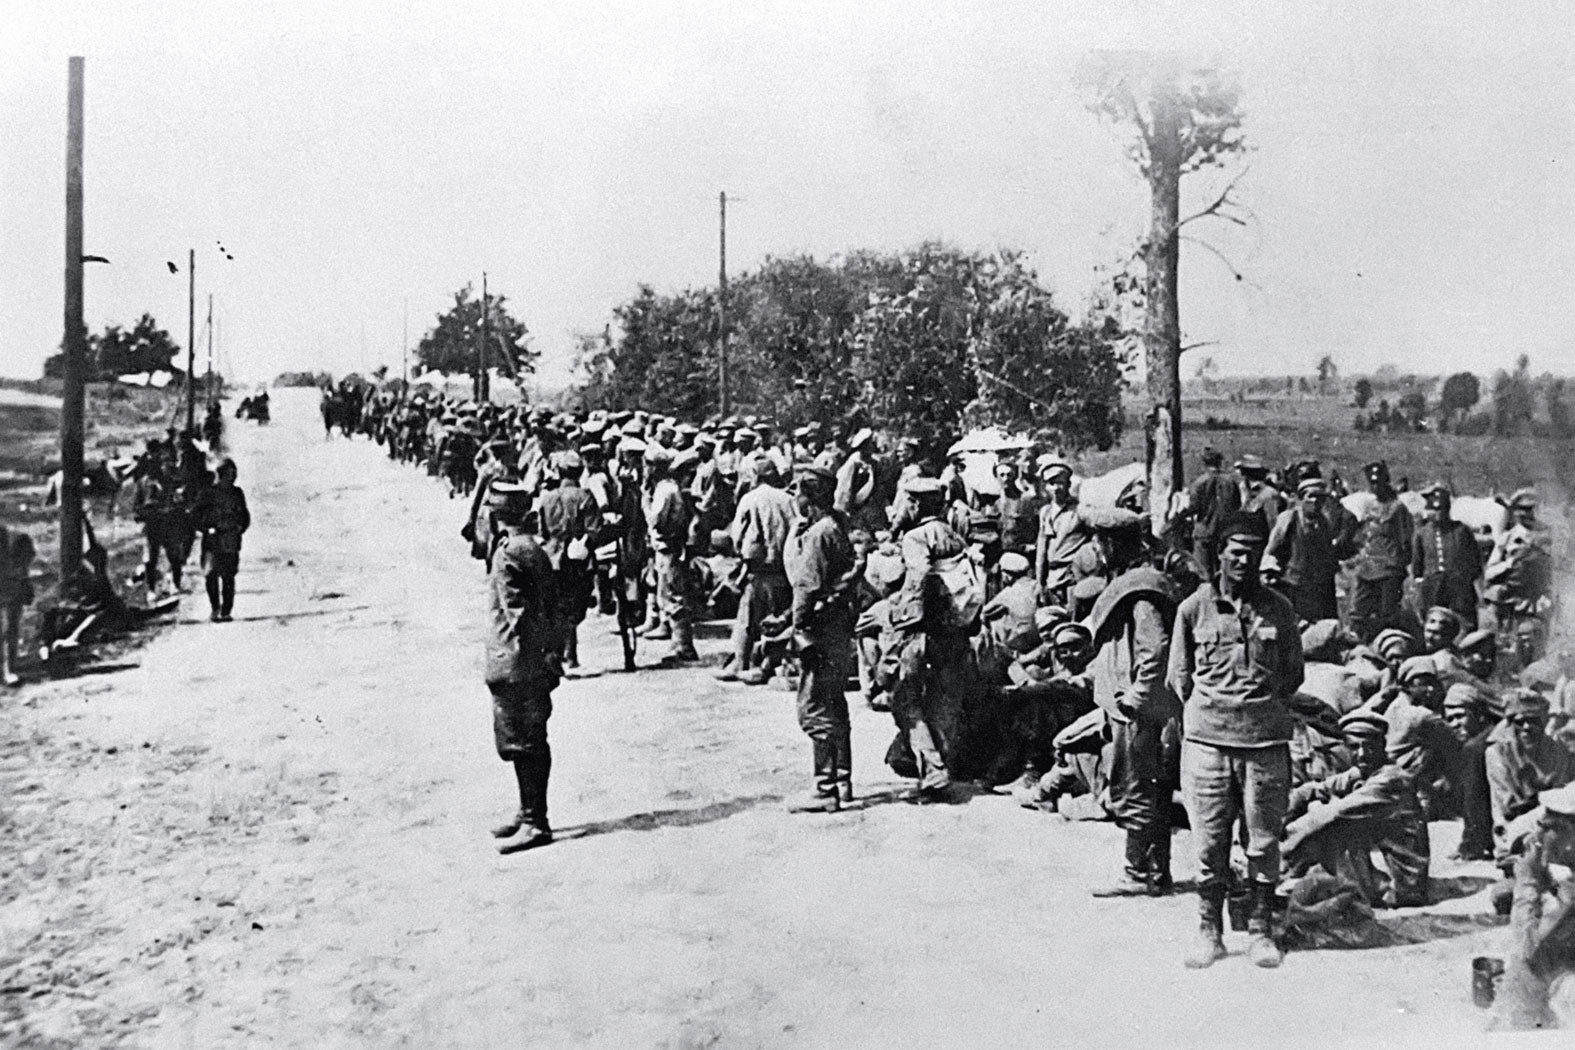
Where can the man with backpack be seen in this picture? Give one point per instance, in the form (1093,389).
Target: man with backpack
(930,620)
(1130,623)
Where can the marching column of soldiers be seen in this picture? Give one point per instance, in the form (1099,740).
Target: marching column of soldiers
(1306,676)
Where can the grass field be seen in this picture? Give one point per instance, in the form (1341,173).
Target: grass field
(120,420)
(1280,430)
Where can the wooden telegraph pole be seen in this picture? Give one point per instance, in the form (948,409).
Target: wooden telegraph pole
(191,339)
(484,387)
(721,307)
(74,365)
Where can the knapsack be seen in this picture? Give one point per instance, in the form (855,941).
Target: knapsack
(956,593)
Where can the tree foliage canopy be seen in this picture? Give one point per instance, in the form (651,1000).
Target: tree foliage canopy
(453,344)
(920,343)
(1142,93)
(117,352)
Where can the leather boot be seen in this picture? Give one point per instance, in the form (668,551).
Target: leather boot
(1209,946)
(1160,881)
(1134,880)
(1264,949)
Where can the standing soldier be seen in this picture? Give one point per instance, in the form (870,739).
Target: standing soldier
(1235,660)
(1061,533)
(1445,559)
(1213,498)
(759,532)
(222,518)
(154,506)
(669,516)
(522,666)
(820,565)
(931,646)
(1301,554)
(570,521)
(1130,623)
(1384,552)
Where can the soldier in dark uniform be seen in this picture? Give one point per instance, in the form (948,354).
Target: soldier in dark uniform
(570,520)
(221,517)
(819,560)
(522,665)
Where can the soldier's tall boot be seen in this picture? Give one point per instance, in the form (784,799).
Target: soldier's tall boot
(824,798)
(1264,949)
(1209,946)
(1135,880)
(843,743)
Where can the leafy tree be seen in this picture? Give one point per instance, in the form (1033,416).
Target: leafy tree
(117,352)
(1559,417)
(1179,119)
(1363,392)
(1514,403)
(453,345)
(1328,372)
(1413,409)
(663,359)
(1460,394)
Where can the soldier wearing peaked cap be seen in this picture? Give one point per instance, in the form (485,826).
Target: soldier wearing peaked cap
(823,570)
(1213,497)
(1301,559)
(1235,661)
(1445,558)
(930,641)
(1371,806)
(522,665)
(1385,546)
(570,526)
(1523,761)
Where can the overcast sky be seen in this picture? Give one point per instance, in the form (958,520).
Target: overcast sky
(1412,178)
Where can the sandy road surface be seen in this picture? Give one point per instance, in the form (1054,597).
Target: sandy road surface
(273,833)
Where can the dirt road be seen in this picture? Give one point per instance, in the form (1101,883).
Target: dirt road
(274,833)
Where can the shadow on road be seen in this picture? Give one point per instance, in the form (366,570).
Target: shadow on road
(667,818)
(285,617)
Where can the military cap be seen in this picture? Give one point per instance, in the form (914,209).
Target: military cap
(1540,674)
(1211,455)
(620,417)
(684,460)
(863,436)
(1417,667)
(631,445)
(1312,485)
(1070,630)
(922,486)
(1049,463)
(1048,617)
(593,426)
(569,461)
(762,430)
(1393,640)
(1435,490)
(592,448)
(1525,703)
(705,439)
(745,435)
(1377,466)
(687,428)
(1445,613)
(1250,463)
(632,429)
(1014,563)
(1560,800)
(768,471)
(1476,640)
(1468,696)
(802,433)
(1524,498)
(657,456)
(1364,723)
(814,474)
(1244,525)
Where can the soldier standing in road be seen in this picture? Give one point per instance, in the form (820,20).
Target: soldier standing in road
(221,517)
(522,665)
(570,522)
(1445,559)
(820,561)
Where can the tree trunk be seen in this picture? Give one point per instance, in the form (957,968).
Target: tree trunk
(1162,320)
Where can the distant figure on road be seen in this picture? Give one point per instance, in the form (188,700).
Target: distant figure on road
(222,517)
(523,664)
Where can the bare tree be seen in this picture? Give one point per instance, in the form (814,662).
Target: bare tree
(1180,118)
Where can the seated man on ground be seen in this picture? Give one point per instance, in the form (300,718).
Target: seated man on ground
(1522,761)
(1338,823)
